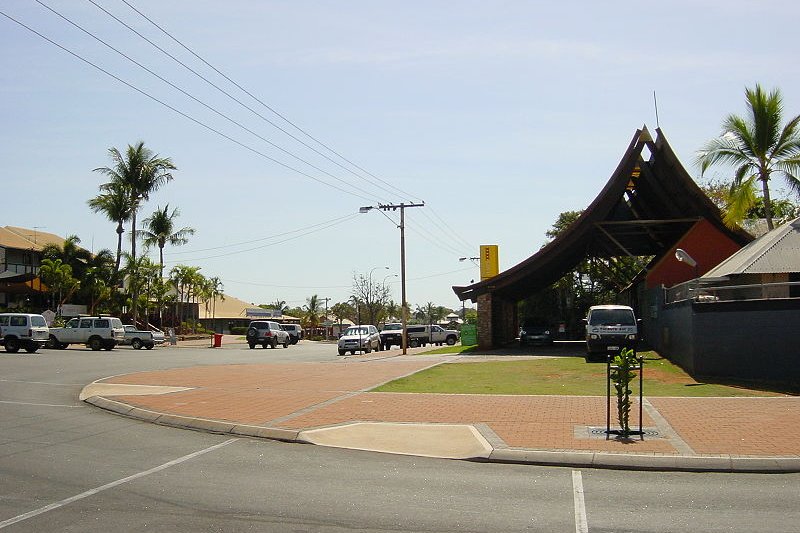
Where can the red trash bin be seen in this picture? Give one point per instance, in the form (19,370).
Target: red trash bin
(217,340)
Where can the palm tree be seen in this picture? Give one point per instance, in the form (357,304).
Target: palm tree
(58,277)
(115,204)
(97,279)
(140,172)
(70,254)
(187,281)
(215,288)
(160,231)
(312,311)
(758,147)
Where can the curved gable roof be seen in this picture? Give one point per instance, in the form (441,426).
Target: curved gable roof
(644,209)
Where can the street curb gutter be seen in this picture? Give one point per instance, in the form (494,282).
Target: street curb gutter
(619,461)
(199,424)
(579,459)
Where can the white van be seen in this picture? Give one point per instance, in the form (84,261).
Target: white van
(23,330)
(609,329)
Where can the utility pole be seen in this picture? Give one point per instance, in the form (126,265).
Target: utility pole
(326,318)
(402,226)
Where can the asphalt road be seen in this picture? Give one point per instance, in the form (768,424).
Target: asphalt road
(68,466)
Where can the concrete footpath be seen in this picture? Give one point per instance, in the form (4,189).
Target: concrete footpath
(328,404)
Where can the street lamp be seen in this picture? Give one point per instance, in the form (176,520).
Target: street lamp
(373,270)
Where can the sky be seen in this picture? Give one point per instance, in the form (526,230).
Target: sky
(497,115)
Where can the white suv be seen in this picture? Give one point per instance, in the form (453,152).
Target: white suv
(364,338)
(97,332)
(23,330)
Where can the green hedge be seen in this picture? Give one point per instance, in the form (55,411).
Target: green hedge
(239,330)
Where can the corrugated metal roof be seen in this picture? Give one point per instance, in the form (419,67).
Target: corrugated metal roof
(775,252)
(27,239)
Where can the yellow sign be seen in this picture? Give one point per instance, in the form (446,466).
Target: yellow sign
(490,264)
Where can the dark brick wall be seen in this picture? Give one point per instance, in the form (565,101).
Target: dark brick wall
(485,321)
(748,340)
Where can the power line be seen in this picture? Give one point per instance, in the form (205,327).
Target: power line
(238,101)
(335,220)
(270,244)
(271,109)
(179,112)
(187,94)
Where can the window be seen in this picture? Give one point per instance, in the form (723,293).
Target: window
(86,323)
(38,321)
(18,321)
(3,320)
(101,323)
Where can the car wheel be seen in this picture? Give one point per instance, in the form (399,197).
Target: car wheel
(31,347)
(451,340)
(149,346)
(368,348)
(251,345)
(12,345)
(342,352)
(136,344)
(274,343)
(286,343)
(413,343)
(352,352)
(264,345)
(95,344)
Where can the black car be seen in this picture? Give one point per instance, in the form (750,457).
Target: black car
(536,334)
(266,333)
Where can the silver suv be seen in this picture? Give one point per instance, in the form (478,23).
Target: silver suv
(363,338)
(23,330)
(266,333)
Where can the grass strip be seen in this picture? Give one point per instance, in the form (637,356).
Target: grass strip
(570,376)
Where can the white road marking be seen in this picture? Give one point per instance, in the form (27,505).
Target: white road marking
(96,490)
(581,524)
(40,404)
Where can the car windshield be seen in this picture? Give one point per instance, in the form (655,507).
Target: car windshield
(535,328)
(356,331)
(38,321)
(393,327)
(612,317)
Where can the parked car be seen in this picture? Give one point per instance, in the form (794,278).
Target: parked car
(266,333)
(23,330)
(295,332)
(364,338)
(440,336)
(391,334)
(609,329)
(533,333)
(418,335)
(96,332)
(138,338)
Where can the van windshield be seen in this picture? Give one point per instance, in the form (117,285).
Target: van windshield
(612,317)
